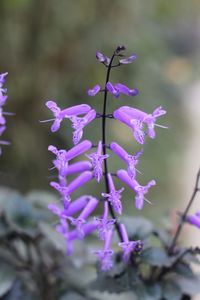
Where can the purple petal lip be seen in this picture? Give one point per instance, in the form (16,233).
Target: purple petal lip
(92,92)
(128,60)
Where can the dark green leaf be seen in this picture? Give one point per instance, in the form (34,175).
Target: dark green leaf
(184,270)
(189,286)
(171,291)
(7,277)
(156,256)
(148,291)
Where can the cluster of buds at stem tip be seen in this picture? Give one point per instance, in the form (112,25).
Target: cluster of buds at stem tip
(3,99)
(76,216)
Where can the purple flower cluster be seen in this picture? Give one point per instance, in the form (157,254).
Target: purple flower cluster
(3,99)
(74,214)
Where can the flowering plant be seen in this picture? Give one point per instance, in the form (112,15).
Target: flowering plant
(135,252)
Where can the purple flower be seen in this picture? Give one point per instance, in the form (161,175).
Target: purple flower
(79,149)
(194,219)
(79,123)
(125,90)
(97,161)
(102,58)
(73,207)
(64,156)
(81,219)
(136,119)
(128,60)
(105,255)
(78,167)
(65,113)
(92,92)
(104,224)
(127,246)
(136,187)
(114,196)
(3,91)
(110,87)
(130,160)
(66,191)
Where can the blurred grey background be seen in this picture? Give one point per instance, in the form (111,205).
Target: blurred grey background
(48,47)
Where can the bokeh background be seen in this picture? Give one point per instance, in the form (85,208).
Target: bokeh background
(48,47)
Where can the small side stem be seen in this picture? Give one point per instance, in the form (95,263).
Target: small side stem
(184,216)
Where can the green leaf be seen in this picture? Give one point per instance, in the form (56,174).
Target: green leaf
(73,295)
(53,236)
(171,290)
(150,291)
(19,212)
(138,227)
(156,256)
(184,270)
(7,277)
(189,286)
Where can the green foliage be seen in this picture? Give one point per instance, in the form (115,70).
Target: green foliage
(34,265)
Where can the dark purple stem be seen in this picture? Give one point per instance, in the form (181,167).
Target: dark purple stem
(104,146)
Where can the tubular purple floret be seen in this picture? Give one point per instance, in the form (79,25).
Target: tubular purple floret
(79,181)
(97,159)
(79,149)
(194,219)
(104,224)
(76,110)
(136,187)
(93,91)
(110,87)
(77,205)
(77,167)
(113,196)
(105,255)
(128,60)
(81,219)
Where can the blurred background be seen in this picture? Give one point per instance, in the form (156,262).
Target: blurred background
(48,47)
